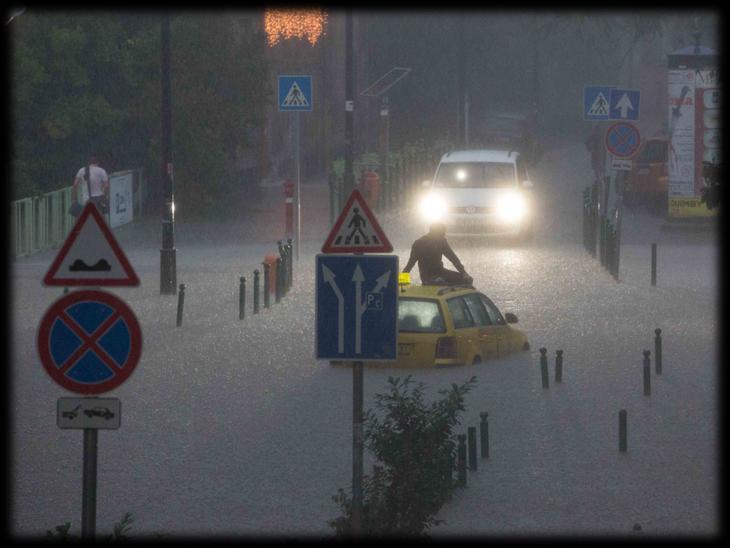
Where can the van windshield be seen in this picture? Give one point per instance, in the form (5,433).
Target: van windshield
(475,175)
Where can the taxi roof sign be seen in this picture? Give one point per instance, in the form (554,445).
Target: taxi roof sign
(91,256)
(356,230)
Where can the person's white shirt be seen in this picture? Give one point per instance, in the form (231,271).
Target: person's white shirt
(99,180)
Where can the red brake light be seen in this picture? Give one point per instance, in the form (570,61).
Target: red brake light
(446,347)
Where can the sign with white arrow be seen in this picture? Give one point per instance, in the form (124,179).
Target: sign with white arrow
(625,104)
(357,307)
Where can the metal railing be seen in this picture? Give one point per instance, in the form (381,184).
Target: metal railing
(43,222)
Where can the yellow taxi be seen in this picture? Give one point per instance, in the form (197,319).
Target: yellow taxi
(441,326)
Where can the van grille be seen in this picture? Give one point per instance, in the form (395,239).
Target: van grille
(471,210)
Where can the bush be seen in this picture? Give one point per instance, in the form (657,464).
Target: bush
(415,450)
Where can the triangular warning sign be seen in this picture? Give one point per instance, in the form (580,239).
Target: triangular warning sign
(599,106)
(295,97)
(90,256)
(356,230)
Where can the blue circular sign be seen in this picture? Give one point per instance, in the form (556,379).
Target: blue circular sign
(622,139)
(89,341)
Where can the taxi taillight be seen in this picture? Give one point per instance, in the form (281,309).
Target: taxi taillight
(446,347)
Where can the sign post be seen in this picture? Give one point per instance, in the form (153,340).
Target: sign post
(361,291)
(295,94)
(89,341)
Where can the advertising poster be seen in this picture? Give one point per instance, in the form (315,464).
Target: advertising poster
(681,161)
(120,199)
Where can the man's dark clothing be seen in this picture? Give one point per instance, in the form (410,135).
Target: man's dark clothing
(427,250)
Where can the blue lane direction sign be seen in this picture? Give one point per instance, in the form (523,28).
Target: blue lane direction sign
(356,307)
(625,104)
(596,103)
(622,139)
(295,93)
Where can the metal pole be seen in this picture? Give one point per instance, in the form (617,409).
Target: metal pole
(88,495)
(168,277)
(653,264)
(357,446)
(622,431)
(349,183)
(472,440)
(298,192)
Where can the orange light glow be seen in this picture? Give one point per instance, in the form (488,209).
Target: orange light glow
(308,24)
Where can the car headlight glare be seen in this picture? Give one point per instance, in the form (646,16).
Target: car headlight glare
(433,207)
(511,207)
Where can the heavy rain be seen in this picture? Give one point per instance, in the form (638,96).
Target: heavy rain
(220,340)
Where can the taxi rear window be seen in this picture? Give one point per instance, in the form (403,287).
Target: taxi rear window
(419,316)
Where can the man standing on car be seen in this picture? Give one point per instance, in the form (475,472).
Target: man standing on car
(428,250)
(98,184)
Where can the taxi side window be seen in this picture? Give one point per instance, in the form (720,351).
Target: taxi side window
(459,313)
(477,309)
(493,312)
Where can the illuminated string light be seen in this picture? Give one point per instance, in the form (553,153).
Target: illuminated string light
(307,24)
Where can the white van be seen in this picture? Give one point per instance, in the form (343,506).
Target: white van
(480,192)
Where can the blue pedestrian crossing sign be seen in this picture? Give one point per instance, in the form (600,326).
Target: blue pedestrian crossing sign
(356,307)
(295,93)
(625,104)
(596,103)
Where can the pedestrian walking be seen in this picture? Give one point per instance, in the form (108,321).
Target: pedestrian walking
(92,183)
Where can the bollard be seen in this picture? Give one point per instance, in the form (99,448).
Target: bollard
(484,435)
(558,366)
(653,264)
(180,304)
(255,291)
(544,368)
(472,440)
(461,461)
(267,289)
(279,276)
(290,270)
(658,351)
(622,431)
(647,373)
(242,298)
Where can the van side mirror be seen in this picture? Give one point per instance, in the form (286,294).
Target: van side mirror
(511,318)
(527,184)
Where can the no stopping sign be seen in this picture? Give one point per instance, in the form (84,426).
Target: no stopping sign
(622,139)
(89,341)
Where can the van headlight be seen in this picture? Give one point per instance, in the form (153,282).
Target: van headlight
(433,207)
(511,207)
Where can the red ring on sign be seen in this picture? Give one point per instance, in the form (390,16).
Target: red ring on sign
(121,311)
(634,132)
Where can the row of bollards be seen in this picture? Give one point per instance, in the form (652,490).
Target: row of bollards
(467,449)
(284,280)
(622,413)
(544,367)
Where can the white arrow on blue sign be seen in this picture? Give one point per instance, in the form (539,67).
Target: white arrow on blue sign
(295,93)
(356,307)
(625,104)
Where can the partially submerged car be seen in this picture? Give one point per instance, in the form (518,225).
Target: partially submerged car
(442,326)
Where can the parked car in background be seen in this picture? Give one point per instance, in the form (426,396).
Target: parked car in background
(645,184)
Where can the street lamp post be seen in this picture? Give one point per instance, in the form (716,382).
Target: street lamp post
(168,276)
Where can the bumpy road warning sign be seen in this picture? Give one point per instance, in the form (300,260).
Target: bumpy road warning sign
(356,230)
(91,255)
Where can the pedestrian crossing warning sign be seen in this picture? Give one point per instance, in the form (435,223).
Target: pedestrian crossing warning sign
(295,93)
(599,107)
(356,230)
(295,97)
(91,256)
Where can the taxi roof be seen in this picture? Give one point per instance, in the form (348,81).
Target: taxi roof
(434,291)
(482,155)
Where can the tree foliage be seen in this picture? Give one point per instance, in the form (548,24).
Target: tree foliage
(84,82)
(414,446)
